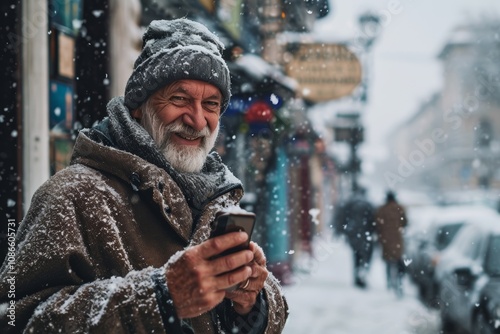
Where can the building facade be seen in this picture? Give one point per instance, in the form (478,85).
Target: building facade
(452,143)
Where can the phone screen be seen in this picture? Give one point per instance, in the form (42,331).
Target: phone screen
(234,222)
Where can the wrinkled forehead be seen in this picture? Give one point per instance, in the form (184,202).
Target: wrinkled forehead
(194,88)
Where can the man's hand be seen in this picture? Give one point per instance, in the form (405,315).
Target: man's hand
(245,297)
(197,283)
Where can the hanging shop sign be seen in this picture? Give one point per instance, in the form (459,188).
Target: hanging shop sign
(324,71)
(353,135)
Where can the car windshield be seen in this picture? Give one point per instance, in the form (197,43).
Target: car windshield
(446,234)
(492,265)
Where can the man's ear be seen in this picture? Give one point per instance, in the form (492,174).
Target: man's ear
(137,114)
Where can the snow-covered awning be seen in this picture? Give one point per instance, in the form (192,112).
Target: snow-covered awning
(251,73)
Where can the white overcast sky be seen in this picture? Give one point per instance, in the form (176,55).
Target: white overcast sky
(405,70)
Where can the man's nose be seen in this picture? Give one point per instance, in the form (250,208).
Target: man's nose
(195,117)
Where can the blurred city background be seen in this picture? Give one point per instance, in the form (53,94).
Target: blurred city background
(330,99)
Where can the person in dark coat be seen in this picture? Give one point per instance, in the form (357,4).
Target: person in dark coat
(358,224)
(119,242)
(391,221)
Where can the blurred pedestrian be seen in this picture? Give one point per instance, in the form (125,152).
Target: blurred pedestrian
(118,242)
(358,224)
(391,220)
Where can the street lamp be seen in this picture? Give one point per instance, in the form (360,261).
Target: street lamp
(370,28)
(349,130)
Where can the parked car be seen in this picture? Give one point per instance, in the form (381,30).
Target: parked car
(426,248)
(469,277)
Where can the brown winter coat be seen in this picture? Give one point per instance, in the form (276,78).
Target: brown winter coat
(391,219)
(91,241)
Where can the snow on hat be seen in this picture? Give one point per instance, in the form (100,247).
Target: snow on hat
(176,50)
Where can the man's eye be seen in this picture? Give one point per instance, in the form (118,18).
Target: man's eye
(180,101)
(176,98)
(212,105)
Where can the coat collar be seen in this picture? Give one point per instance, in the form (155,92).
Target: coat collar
(144,178)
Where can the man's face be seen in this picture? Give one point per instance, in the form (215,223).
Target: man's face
(183,120)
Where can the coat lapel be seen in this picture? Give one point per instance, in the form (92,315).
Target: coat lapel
(144,178)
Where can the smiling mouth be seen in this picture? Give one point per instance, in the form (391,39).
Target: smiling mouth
(187,137)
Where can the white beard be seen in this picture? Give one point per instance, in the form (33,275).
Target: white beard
(185,159)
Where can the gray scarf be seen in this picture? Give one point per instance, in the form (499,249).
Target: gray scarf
(121,131)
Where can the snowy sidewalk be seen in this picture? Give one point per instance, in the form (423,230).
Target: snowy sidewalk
(325,301)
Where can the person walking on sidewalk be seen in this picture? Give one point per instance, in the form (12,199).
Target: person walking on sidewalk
(358,224)
(390,223)
(118,242)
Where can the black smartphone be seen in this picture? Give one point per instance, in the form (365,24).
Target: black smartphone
(227,222)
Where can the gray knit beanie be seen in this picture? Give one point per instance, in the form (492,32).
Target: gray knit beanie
(176,50)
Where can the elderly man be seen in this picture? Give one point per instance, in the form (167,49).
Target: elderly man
(118,242)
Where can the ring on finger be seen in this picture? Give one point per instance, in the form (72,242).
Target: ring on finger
(245,285)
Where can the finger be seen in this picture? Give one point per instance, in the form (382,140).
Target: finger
(241,296)
(256,270)
(255,282)
(216,245)
(259,256)
(259,276)
(230,262)
(233,278)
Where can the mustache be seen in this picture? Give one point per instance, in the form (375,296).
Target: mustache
(179,127)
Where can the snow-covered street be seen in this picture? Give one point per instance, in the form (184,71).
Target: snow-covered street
(326,301)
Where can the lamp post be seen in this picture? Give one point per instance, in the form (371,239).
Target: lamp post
(349,128)
(350,131)
(370,29)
